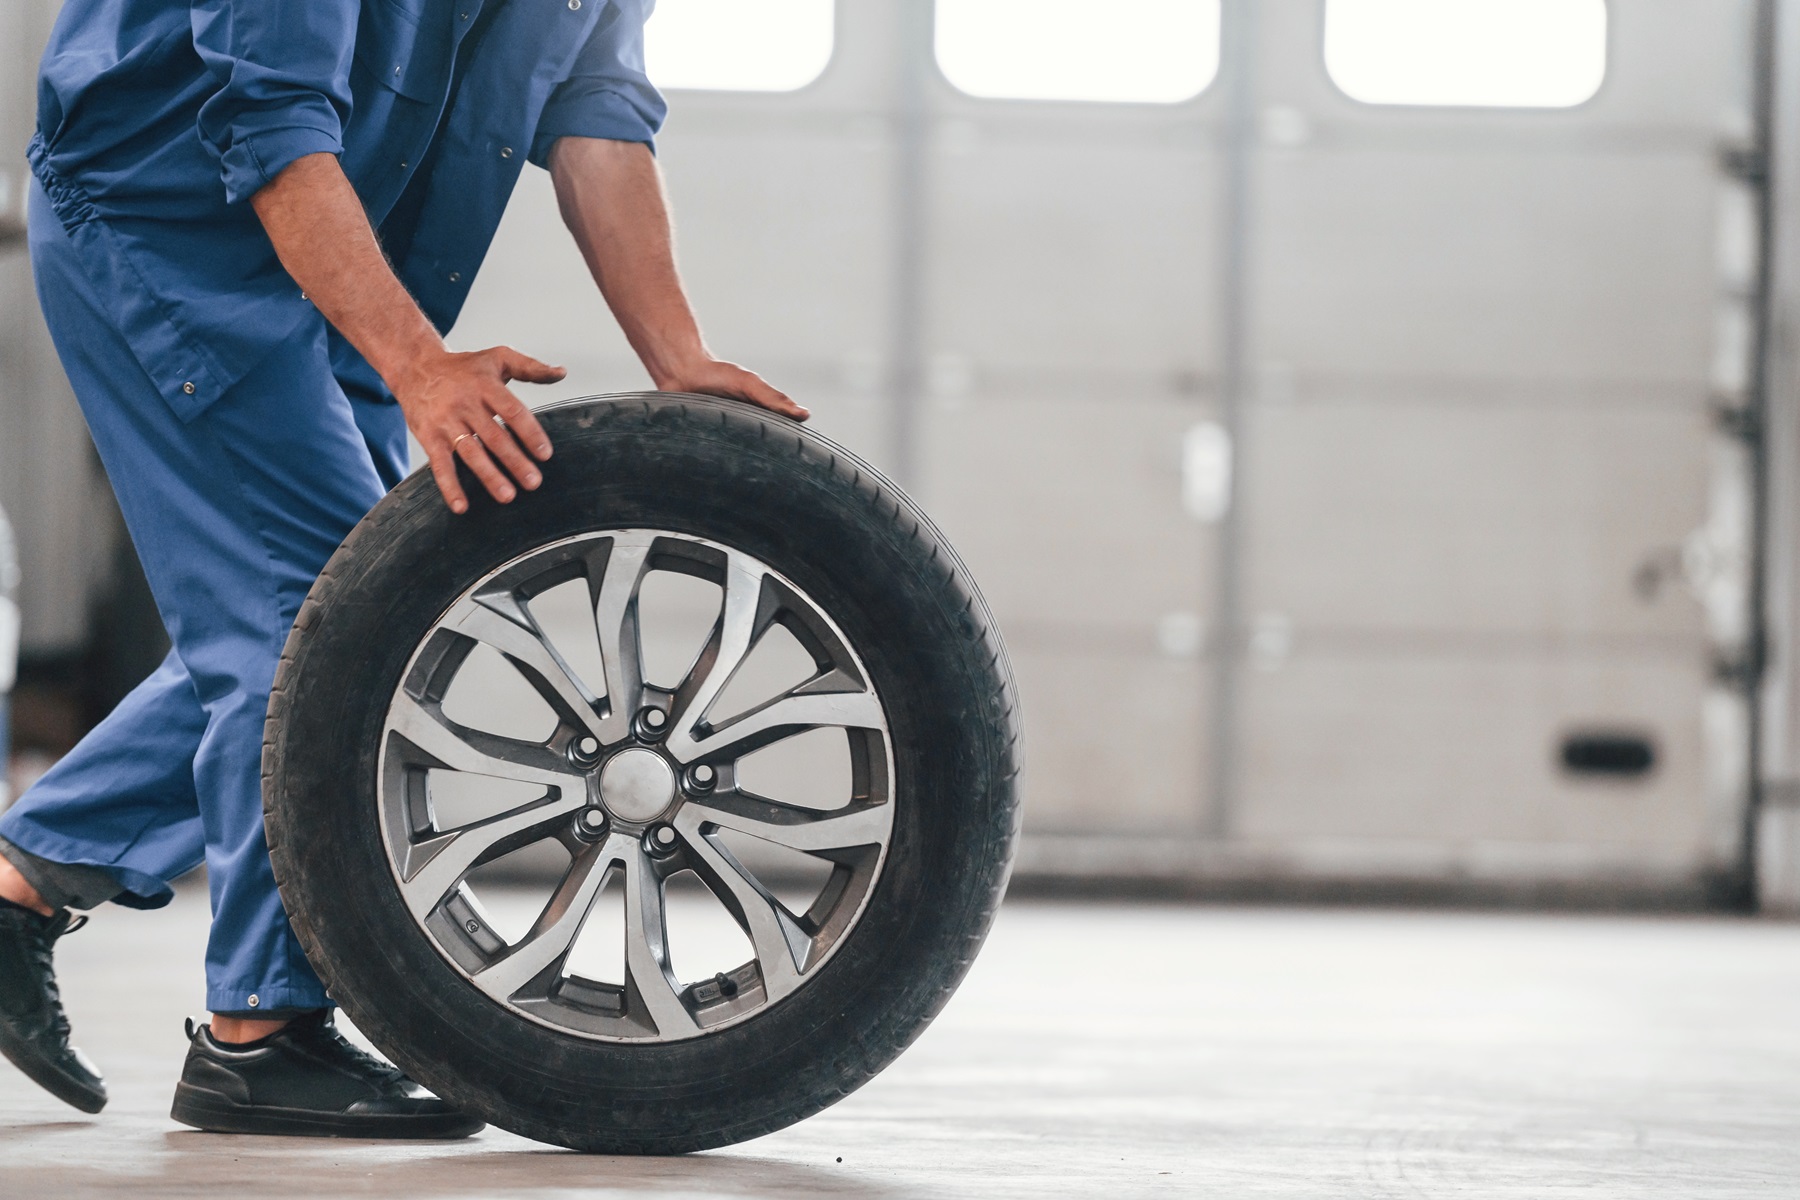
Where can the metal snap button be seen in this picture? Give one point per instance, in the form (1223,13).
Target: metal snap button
(456,277)
(254,1001)
(188,388)
(574,5)
(506,152)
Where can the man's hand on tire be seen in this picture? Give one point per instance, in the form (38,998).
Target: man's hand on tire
(716,377)
(458,406)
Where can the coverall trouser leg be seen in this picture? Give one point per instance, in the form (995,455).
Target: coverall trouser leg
(233,514)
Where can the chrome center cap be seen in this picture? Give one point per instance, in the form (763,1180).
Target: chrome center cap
(637,785)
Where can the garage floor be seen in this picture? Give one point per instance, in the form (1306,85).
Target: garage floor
(1110,1050)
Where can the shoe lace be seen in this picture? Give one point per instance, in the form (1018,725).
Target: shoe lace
(43,947)
(354,1057)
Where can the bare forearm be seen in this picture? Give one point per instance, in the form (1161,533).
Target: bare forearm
(611,198)
(456,404)
(319,229)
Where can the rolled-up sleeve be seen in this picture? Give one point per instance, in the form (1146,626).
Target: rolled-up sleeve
(607,95)
(283,69)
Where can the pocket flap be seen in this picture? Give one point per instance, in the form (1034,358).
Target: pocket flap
(401,54)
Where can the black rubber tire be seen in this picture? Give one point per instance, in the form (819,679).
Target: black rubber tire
(855,543)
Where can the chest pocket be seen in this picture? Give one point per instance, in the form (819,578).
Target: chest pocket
(406,51)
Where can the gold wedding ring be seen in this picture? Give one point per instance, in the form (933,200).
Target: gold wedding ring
(459,441)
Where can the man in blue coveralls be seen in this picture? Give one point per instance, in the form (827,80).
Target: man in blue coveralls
(252,222)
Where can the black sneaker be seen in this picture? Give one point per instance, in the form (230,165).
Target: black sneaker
(34,1032)
(306,1079)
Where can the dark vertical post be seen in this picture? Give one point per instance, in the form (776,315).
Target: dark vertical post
(1758,174)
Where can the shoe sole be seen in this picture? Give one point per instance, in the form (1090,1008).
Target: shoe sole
(209,1111)
(69,1090)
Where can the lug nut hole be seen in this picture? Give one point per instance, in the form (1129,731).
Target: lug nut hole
(650,724)
(584,751)
(590,823)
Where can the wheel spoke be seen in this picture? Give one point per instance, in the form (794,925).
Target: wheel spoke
(437,864)
(614,594)
(647,948)
(535,657)
(795,828)
(462,749)
(557,926)
(784,716)
(782,947)
(732,637)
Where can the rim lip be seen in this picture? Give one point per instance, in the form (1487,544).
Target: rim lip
(382,799)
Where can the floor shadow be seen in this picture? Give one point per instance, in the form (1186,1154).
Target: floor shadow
(187,1162)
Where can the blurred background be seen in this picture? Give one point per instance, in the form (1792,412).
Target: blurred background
(1375,423)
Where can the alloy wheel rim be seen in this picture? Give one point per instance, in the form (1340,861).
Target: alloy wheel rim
(640,783)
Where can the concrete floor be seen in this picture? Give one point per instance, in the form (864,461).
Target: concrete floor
(1113,1050)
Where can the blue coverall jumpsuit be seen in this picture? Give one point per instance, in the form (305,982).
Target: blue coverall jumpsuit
(243,436)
